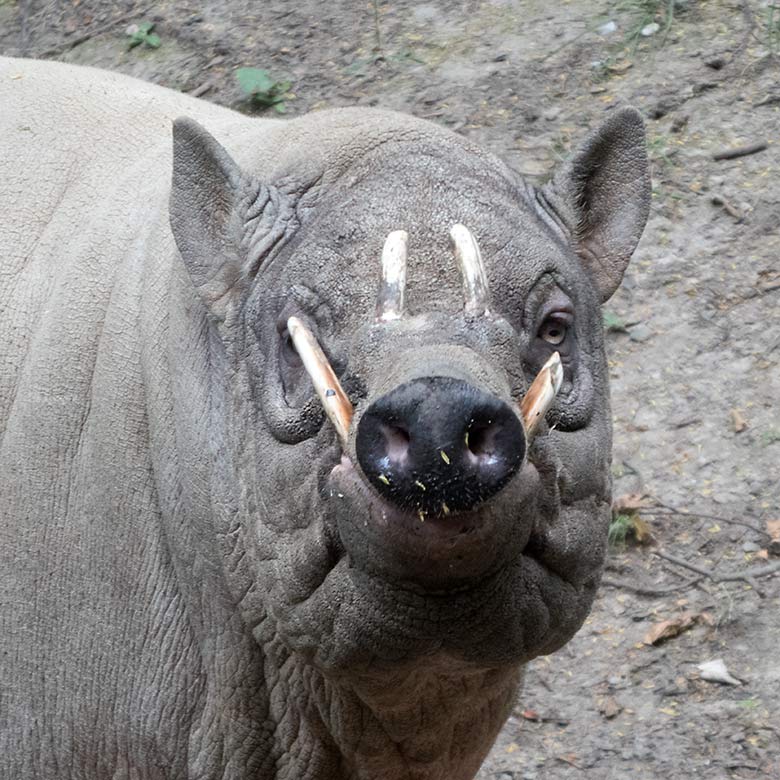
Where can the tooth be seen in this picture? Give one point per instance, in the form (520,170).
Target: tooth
(334,400)
(541,394)
(390,301)
(475,285)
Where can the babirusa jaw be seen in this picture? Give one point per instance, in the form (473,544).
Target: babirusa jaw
(334,400)
(390,301)
(541,394)
(475,285)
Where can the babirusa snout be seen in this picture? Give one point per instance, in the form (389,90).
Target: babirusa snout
(390,306)
(475,285)
(334,400)
(390,301)
(541,394)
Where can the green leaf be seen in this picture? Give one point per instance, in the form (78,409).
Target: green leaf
(262,90)
(619,529)
(255,81)
(613,323)
(142,33)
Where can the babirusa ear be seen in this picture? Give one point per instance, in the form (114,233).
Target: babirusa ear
(224,221)
(602,195)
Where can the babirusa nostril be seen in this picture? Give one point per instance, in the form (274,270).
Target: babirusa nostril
(397,443)
(480,439)
(439,442)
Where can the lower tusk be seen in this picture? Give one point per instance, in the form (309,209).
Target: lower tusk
(390,302)
(541,394)
(475,285)
(334,400)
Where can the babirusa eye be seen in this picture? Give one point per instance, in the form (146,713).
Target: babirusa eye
(554,331)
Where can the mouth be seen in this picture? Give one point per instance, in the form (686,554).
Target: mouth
(441,527)
(435,551)
(472,517)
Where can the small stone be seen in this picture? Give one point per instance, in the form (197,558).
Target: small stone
(607,28)
(750,547)
(650,29)
(640,333)
(609,707)
(716,671)
(716,62)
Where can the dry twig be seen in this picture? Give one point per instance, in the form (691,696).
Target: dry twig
(749,576)
(670,510)
(740,151)
(649,590)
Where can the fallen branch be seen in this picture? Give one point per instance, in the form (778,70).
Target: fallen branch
(740,151)
(649,590)
(685,564)
(701,516)
(728,207)
(203,88)
(749,576)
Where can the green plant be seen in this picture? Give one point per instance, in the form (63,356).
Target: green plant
(658,150)
(626,524)
(561,145)
(142,33)
(772,25)
(263,91)
(377,29)
(770,436)
(620,529)
(613,323)
(644,12)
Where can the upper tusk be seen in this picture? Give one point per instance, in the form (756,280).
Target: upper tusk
(475,285)
(334,400)
(541,394)
(390,301)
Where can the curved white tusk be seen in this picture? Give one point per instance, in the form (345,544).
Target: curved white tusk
(541,394)
(390,301)
(334,400)
(475,285)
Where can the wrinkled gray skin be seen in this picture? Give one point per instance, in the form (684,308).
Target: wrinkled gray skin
(193,583)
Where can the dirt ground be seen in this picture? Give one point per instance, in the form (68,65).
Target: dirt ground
(693,334)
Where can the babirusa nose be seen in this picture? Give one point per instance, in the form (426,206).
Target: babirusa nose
(439,445)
